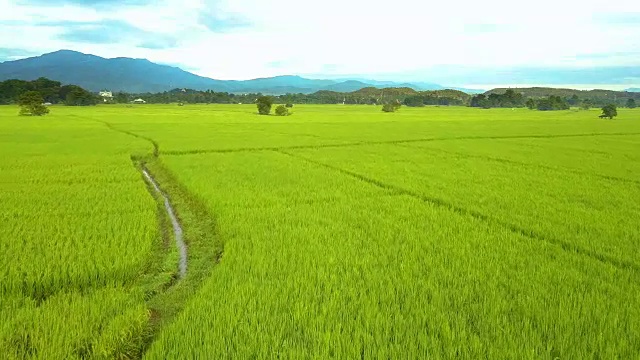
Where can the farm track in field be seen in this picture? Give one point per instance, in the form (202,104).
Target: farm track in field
(364,143)
(532,165)
(477,215)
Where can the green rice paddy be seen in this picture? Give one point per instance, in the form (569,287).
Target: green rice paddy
(338,232)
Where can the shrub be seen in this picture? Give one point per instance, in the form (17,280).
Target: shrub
(392,106)
(388,108)
(289,105)
(281,110)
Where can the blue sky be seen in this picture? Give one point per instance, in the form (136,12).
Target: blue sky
(400,40)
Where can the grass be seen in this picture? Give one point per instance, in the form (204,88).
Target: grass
(89,266)
(338,232)
(77,230)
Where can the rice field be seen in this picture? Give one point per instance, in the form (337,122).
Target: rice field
(77,227)
(338,232)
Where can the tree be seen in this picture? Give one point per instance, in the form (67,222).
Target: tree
(282,110)
(609,111)
(264,105)
(482,101)
(573,100)
(531,104)
(631,104)
(77,96)
(586,104)
(512,99)
(31,104)
(509,99)
(552,103)
(121,98)
(414,101)
(495,100)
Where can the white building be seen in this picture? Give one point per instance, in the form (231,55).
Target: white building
(106,96)
(139,101)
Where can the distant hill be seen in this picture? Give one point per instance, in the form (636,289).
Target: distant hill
(383,84)
(633,90)
(346,86)
(566,93)
(95,73)
(395,91)
(373,94)
(142,76)
(468,91)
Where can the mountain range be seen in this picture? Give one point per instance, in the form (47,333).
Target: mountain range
(96,73)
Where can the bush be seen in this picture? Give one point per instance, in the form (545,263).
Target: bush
(289,105)
(264,105)
(388,108)
(609,111)
(281,110)
(392,106)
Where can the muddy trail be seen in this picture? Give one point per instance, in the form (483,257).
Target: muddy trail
(177,229)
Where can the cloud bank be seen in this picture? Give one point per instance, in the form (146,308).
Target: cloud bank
(244,39)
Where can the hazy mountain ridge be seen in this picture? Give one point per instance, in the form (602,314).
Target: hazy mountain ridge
(143,76)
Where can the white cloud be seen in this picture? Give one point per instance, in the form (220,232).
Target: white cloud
(354,37)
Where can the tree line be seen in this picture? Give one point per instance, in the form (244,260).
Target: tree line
(512,99)
(51,91)
(365,96)
(55,93)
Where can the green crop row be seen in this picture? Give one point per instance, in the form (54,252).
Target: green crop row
(77,229)
(436,232)
(324,262)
